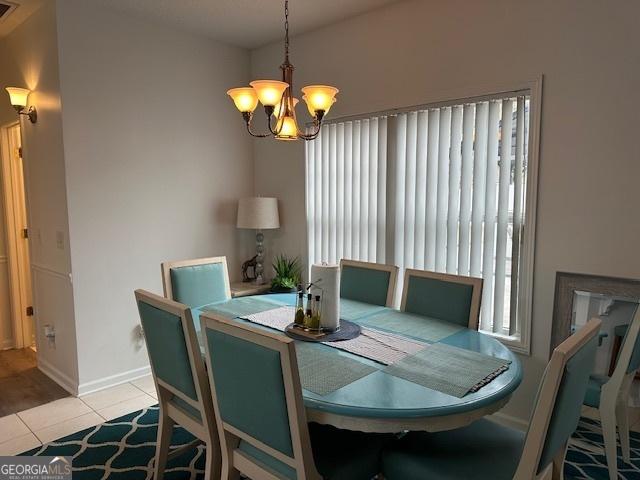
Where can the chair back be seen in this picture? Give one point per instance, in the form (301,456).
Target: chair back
(196,282)
(559,402)
(452,298)
(257,400)
(629,357)
(367,282)
(176,362)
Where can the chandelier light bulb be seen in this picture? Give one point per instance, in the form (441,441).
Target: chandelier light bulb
(319,97)
(269,91)
(244,98)
(287,128)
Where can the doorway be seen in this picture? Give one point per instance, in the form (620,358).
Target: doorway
(17,238)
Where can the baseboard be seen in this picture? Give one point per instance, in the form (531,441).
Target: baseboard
(7,344)
(509,421)
(113,380)
(57,376)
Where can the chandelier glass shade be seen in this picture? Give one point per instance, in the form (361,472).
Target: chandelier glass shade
(277,99)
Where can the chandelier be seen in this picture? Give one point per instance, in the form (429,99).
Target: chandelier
(278,100)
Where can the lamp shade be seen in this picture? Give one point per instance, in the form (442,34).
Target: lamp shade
(18,96)
(258,213)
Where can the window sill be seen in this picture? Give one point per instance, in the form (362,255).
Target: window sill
(513,342)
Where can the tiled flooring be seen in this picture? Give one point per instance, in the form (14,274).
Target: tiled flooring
(29,428)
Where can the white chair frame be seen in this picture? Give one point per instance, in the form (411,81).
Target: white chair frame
(234,461)
(476,296)
(614,402)
(392,269)
(171,415)
(166,267)
(539,424)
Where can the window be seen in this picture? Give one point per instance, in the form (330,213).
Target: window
(446,187)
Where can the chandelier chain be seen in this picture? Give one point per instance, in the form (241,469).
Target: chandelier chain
(286,30)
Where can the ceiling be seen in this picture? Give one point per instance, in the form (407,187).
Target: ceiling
(23,9)
(244,23)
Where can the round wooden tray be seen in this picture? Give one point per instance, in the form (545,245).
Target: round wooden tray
(347,331)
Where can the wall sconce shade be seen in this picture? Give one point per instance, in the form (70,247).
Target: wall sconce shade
(18,97)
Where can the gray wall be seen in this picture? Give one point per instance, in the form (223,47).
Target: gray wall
(412,52)
(154,164)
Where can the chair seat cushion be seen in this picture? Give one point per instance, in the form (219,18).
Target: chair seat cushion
(594,387)
(482,450)
(338,454)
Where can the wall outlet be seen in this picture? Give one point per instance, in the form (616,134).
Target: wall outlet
(138,336)
(50,334)
(60,240)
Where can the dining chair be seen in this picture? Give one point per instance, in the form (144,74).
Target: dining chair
(366,282)
(180,378)
(487,450)
(610,395)
(196,282)
(257,398)
(452,298)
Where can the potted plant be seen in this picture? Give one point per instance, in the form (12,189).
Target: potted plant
(287,276)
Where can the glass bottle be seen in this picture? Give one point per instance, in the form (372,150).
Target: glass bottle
(299,317)
(316,313)
(308,311)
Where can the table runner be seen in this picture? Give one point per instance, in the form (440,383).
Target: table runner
(423,328)
(382,347)
(449,369)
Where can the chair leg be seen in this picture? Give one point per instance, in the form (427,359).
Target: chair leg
(622,419)
(608,419)
(558,464)
(212,469)
(165,429)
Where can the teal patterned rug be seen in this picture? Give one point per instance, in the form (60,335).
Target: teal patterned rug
(581,463)
(124,449)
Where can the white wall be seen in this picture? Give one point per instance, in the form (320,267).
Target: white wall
(155,164)
(30,59)
(412,52)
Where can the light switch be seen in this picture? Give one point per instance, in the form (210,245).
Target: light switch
(60,240)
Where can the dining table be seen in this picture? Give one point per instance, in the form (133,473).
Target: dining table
(369,396)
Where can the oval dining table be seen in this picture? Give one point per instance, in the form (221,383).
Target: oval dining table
(384,403)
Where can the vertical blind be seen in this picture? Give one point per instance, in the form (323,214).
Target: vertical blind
(439,189)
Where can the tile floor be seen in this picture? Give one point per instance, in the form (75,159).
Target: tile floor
(30,428)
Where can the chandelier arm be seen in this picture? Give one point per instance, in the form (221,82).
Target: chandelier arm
(269,113)
(247,118)
(313,135)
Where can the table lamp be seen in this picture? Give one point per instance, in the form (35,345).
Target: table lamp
(258,213)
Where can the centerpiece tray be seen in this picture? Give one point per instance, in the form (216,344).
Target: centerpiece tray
(347,331)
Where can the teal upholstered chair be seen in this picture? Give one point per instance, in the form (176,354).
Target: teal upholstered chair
(487,451)
(610,395)
(197,282)
(452,298)
(365,282)
(180,378)
(262,424)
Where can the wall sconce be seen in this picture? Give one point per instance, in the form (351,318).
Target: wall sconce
(18,97)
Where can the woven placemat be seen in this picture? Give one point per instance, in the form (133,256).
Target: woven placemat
(353,310)
(449,369)
(242,306)
(416,326)
(323,372)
